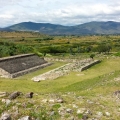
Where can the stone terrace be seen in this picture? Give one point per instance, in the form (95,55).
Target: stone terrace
(20,64)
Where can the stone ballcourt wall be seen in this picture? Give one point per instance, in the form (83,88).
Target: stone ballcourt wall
(66,69)
(88,65)
(18,65)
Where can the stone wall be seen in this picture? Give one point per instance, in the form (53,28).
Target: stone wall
(21,64)
(3,72)
(66,69)
(55,73)
(89,65)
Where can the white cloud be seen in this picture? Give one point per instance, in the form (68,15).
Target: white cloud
(65,12)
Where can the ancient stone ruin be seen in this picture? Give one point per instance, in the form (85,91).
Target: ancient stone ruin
(14,66)
(66,69)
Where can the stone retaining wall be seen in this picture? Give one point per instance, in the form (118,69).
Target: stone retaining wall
(63,70)
(89,65)
(14,66)
(69,60)
(55,73)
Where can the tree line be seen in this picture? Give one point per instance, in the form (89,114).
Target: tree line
(10,48)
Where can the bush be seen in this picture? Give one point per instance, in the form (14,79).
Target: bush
(92,56)
(117,54)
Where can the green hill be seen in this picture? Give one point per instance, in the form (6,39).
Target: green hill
(92,28)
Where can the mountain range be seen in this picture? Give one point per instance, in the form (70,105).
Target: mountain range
(90,28)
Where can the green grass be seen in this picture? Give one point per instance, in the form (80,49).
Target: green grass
(75,81)
(96,84)
(24,83)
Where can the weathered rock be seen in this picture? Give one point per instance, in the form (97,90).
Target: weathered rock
(75,106)
(68,110)
(88,112)
(52,113)
(29,95)
(14,95)
(78,111)
(15,114)
(81,110)
(3,94)
(99,114)
(51,100)
(85,117)
(90,102)
(59,100)
(3,100)
(25,118)
(117,94)
(36,80)
(44,100)
(117,79)
(71,118)
(93,119)
(6,101)
(62,111)
(5,116)
(15,108)
(107,114)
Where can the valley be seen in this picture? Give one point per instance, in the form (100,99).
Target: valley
(92,94)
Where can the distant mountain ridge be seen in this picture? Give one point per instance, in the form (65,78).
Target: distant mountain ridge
(109,27)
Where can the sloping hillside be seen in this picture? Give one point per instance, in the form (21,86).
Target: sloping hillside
(108,27)
(93,94)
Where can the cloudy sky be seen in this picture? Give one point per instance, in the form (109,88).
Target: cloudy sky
(64,12)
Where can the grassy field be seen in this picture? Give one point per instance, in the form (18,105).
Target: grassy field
(91,90)
(97,84)
(74,81)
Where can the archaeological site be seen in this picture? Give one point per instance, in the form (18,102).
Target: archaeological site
(14,66)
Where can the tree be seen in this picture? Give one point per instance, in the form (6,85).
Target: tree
(92,56)
(103,48)
(71,51)
(88,49)
(78,49)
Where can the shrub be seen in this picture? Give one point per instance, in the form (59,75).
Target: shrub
(92,56)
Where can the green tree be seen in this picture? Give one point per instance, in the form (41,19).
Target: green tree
(92,56)
(104,48)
